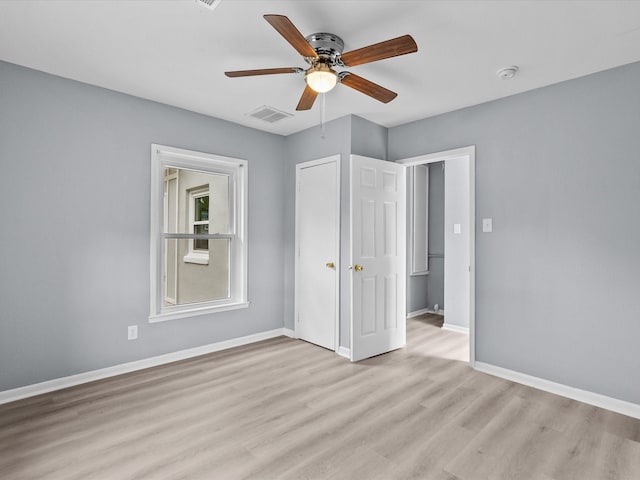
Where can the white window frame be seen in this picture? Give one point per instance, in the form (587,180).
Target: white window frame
(200,257)
(170,157)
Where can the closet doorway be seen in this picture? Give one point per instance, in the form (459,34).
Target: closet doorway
(317,250)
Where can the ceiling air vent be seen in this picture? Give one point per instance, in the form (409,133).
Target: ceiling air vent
(209,4)
(269,114)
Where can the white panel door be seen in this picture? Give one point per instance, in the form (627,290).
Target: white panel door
(378,257)
(457,238)
(317,235)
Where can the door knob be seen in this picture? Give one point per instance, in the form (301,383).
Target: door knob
(357,268)
(331,265)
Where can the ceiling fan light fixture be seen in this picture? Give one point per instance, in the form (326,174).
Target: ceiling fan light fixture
(321,78)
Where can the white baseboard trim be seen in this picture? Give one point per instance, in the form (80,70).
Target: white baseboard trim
(417,313)
(287,332)
(85,377)
(455,328)
(596,399)
(344,352)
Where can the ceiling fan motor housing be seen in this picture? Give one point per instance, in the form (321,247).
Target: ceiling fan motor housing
(327,45)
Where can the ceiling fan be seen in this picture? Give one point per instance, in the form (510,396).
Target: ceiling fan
(323,52)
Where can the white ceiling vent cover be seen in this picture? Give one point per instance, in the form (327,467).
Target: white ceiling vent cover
(209,4)
(269,114)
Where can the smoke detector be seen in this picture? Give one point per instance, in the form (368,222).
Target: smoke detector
(208,4)
(507,73)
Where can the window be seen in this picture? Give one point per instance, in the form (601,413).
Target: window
(199,225)
(198,233)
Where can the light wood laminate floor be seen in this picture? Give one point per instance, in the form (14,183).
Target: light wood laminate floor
(286,409)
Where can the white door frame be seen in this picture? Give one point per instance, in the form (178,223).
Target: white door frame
(299,167)
(470,153)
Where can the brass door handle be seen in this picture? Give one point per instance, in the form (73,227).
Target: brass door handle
(331,265)
(357,268)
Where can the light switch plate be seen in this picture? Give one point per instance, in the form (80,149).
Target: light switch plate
(487,225)
(457,228)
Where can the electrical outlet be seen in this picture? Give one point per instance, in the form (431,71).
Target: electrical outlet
(132,332)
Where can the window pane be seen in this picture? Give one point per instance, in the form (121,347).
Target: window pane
(191,277)
(199,244)
(192,196)
(201,208)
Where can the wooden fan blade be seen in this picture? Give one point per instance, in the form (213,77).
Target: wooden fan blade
(379,51)
(367,87)
(291,34)
(308,97)
(263,71)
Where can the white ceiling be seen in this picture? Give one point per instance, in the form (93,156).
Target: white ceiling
(175,52)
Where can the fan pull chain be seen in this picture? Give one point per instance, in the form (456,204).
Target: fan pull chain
(322,117)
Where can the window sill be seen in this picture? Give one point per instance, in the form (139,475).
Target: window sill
(198,258)
(193,312)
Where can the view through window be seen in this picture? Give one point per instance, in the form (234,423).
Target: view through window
(200,243)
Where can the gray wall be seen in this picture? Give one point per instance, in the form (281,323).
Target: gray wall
(368,139)
(427,290)
(557,281)
(74,190)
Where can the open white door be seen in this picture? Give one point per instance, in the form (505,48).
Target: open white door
(378,262)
